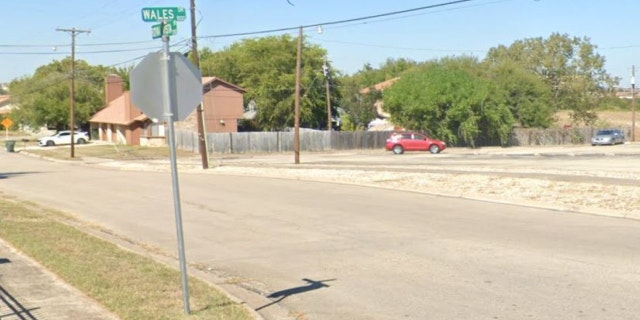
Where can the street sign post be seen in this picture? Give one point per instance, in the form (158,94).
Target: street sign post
(180,86)
(6,123)
(163,14)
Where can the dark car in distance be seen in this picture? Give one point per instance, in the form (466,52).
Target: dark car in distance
(399,142)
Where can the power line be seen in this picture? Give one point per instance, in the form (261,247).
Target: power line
(401,48)
(79,46)
(438,5)
(67,45)
(425,13)
(324,24)
(68,52)
(177,43)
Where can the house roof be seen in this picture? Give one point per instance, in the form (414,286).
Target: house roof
(5,104)
(380,86)
(116,112)
(208,80)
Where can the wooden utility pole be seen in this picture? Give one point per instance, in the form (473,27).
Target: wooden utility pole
(72,122)
(633,103)
(296,131)
(325,68)
(202,136)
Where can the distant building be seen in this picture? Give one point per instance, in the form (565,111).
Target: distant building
(383,120)
(122,122)
(626,94)
(5,104)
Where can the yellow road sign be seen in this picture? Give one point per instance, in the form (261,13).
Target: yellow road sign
(7,122)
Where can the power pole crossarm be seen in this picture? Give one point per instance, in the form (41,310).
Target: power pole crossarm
(72,121)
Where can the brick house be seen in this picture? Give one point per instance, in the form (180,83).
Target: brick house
(223,107)
(121,122)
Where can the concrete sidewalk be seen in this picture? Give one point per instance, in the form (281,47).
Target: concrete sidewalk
(30,291)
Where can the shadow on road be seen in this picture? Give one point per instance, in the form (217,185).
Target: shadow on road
(282,294)
(18,310)
(4,175)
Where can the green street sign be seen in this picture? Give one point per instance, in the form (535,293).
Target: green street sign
(163,14)
(164,29)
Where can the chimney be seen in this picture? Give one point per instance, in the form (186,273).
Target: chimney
(114,87)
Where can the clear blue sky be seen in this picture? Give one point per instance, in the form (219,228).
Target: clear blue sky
(119,37)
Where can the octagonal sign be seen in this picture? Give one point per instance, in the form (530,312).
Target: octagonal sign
(148,88)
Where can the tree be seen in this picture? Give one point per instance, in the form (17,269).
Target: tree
(359,109)
(44,98)
(125,74)
(570,67)
(452,100)
(526,95)
(266,68)
(392,68)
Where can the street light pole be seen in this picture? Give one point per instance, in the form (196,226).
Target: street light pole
(72,111)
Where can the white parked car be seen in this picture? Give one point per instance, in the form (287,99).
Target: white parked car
(64,137)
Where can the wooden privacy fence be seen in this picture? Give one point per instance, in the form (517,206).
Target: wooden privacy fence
(311,140)
(266,142)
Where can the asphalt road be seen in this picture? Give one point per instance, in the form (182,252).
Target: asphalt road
(331,251)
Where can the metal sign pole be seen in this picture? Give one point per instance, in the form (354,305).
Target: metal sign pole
(174,167)
(179,81)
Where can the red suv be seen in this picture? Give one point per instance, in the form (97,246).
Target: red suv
(399,142)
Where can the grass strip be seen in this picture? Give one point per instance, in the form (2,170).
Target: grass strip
(128,284)
(105,151)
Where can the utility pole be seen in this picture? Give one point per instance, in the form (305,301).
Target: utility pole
(633,103)
(202,136)
(325,68)
(296,130)
(73,32)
